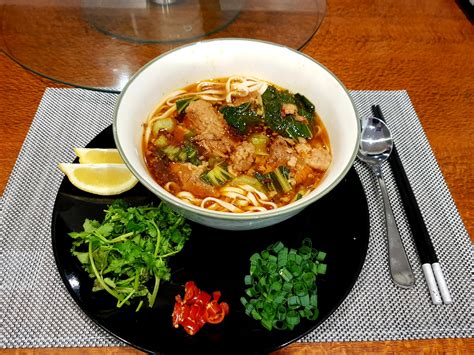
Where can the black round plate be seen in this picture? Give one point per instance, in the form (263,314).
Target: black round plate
(216,260)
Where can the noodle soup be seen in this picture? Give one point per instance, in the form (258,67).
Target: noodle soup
(236,144)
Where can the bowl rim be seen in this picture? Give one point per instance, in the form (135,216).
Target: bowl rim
(170,198)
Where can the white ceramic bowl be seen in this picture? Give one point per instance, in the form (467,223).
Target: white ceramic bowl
(280,65)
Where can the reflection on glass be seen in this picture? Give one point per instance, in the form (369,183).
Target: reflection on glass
(160,21)
(99,44)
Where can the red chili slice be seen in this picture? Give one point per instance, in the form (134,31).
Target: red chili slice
(197,309)
(216,295)
(203,298)
(216,319)
(213,308)
(190,291)
(215,313)
(190,326)
(225,308)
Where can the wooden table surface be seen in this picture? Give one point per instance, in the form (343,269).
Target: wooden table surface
(425,47)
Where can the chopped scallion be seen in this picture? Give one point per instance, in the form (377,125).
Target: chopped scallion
(267,323)
(277,247)
(292,318)
(256,315)
(321,256)
(287,276)
(281,287)
(322,269)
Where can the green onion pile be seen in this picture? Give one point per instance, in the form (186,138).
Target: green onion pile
(282,285)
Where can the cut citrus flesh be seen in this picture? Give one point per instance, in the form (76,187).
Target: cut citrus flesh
(98,156)
(100,179)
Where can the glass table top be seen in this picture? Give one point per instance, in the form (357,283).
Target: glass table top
(100,44)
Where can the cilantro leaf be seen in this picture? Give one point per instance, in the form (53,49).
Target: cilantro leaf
(127,253)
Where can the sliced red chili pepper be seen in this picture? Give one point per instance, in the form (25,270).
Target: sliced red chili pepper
(186,311)
(216,295)
(213,308)
(201,320)
(203,298)
(191,291)
(194,312)
(214,319)
(197,309)
(177,312)
(225,308)
(215,312)
(189,326)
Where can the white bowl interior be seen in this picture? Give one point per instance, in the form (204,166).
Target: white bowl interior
(222,58)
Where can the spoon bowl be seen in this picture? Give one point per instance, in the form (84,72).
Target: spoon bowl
(375,147)
(376,141)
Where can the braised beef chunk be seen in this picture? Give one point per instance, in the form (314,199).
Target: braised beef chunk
(280,152)
(211,129)
(242,158)
(320,159)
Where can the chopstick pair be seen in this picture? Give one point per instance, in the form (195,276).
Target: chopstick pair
(431,268)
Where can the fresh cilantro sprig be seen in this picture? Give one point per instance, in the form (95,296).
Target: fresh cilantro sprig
(128,252)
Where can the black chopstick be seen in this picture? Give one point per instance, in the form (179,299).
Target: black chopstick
(424,245)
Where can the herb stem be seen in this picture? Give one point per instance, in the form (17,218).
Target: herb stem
(169,254)
(121,237)
(121,303)
(155,291)
(122,253)
(101,237)
(98,277)
(158,238)
(137,279)
(139,306)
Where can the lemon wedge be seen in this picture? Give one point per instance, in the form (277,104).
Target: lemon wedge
(98,156)
(100,179)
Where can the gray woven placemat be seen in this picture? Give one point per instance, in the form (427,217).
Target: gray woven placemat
(36,310)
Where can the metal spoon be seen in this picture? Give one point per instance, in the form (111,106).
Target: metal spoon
(375,147)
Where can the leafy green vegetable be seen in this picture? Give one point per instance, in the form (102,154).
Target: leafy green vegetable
(166,124)
(282,285)
(280,178)
(276,180)
(217,176)
(127,254)
(260,141)
(182,104)
(185,153)
(240,117)
(247,180)
(287,126)
(266,180)
(305,107)
(295,129)
(272,104)
(171,152)
(161,141)
(192,154)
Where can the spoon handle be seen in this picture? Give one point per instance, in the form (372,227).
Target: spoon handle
(400,268)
